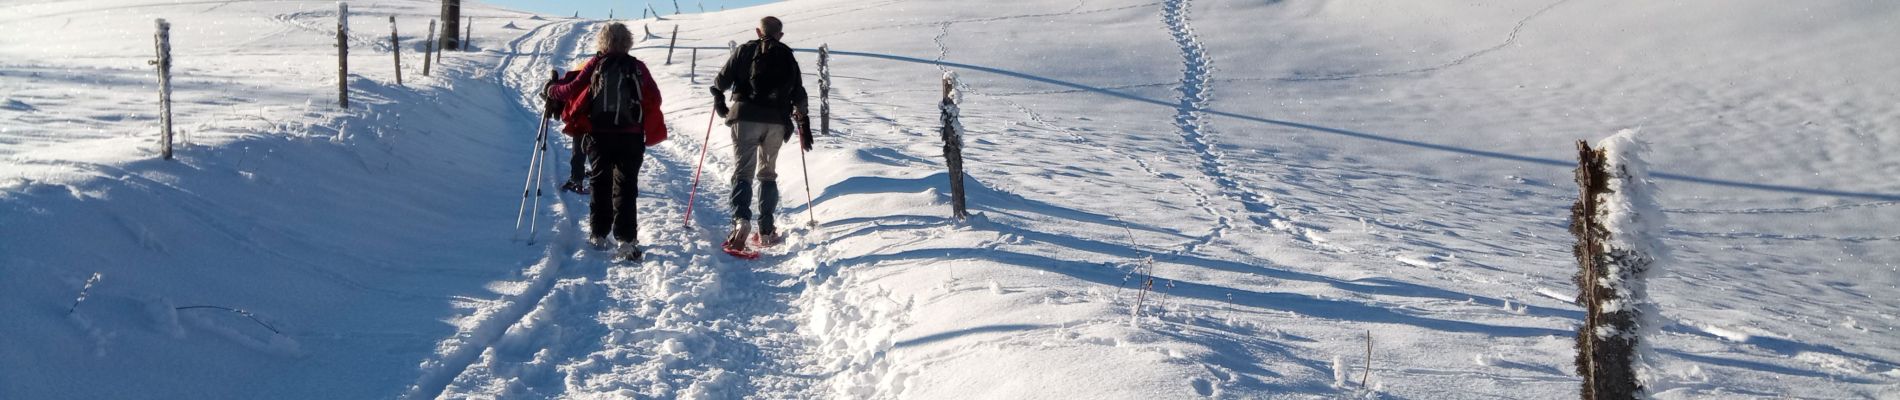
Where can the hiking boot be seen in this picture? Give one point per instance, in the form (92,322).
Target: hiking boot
(628,252)
(767,228)
(575,186)
(741,229)
(768,234)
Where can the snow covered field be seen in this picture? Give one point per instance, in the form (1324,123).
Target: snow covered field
(1302,174)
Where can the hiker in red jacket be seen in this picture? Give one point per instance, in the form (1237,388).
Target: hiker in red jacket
(613,109)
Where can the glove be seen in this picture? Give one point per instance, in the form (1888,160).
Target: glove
(804,131)
(719,103)
(555,107)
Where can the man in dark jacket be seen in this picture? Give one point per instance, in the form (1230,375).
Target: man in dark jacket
(768,92)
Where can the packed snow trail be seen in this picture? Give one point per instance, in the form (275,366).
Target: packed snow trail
(685,322)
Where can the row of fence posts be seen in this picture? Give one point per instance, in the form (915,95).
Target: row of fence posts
(952,130)
(429,56)
(163,63)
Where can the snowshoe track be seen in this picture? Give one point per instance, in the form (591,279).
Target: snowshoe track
(1191,118)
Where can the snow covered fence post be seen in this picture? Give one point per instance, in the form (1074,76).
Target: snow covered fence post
(343,54)
(428,48)
(669,44)
(824,89)
(1616,223)
(395,44)
(953,143)
(163,39)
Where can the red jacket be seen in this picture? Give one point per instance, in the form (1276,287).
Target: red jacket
(572,90)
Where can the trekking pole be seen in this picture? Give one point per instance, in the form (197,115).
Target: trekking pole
(703,144)
(536,159)
(811,209)
(540,181)
(528,183)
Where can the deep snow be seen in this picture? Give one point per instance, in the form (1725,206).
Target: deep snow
(1296,176)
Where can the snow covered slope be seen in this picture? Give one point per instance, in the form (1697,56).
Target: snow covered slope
(1302,176)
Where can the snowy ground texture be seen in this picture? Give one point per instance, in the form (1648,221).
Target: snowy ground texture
(1304,176)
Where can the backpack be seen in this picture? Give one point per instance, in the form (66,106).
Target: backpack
(770,78)
(615,91)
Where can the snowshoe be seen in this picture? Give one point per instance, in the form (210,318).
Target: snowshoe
(735,244)
(763,240)
(575,186)
(768,235)
(598,242)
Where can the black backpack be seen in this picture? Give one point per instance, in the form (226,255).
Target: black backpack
(771,79)
(615,91)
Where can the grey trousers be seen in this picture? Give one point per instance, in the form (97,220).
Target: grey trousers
(755,147)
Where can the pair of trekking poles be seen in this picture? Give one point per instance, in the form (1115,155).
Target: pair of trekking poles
(536,182)
(811,218)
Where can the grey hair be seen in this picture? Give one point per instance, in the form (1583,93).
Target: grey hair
(614,39)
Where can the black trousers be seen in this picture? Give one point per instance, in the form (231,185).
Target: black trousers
(577,161)
(614,163)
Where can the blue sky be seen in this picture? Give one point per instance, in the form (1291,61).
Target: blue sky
(621,8)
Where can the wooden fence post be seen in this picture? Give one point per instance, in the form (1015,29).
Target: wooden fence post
(343,54)
(451,23)
(692,71)
(1613,264)
(953,144)
(824,89)
(670,43)
(468,35)
(676,7)
(163,40)
(428,48)
(395,44)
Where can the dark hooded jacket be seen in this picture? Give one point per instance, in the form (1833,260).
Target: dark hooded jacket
(737,76)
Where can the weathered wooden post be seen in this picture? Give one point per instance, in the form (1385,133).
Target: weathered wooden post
(692,70)
(676,7)
(163,40)
(610,14)
(343,54)
(428,48)
(451,23)
(824,89)
(395,44)
(953,143)
(1616,222)
(670,43)
(468,35)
